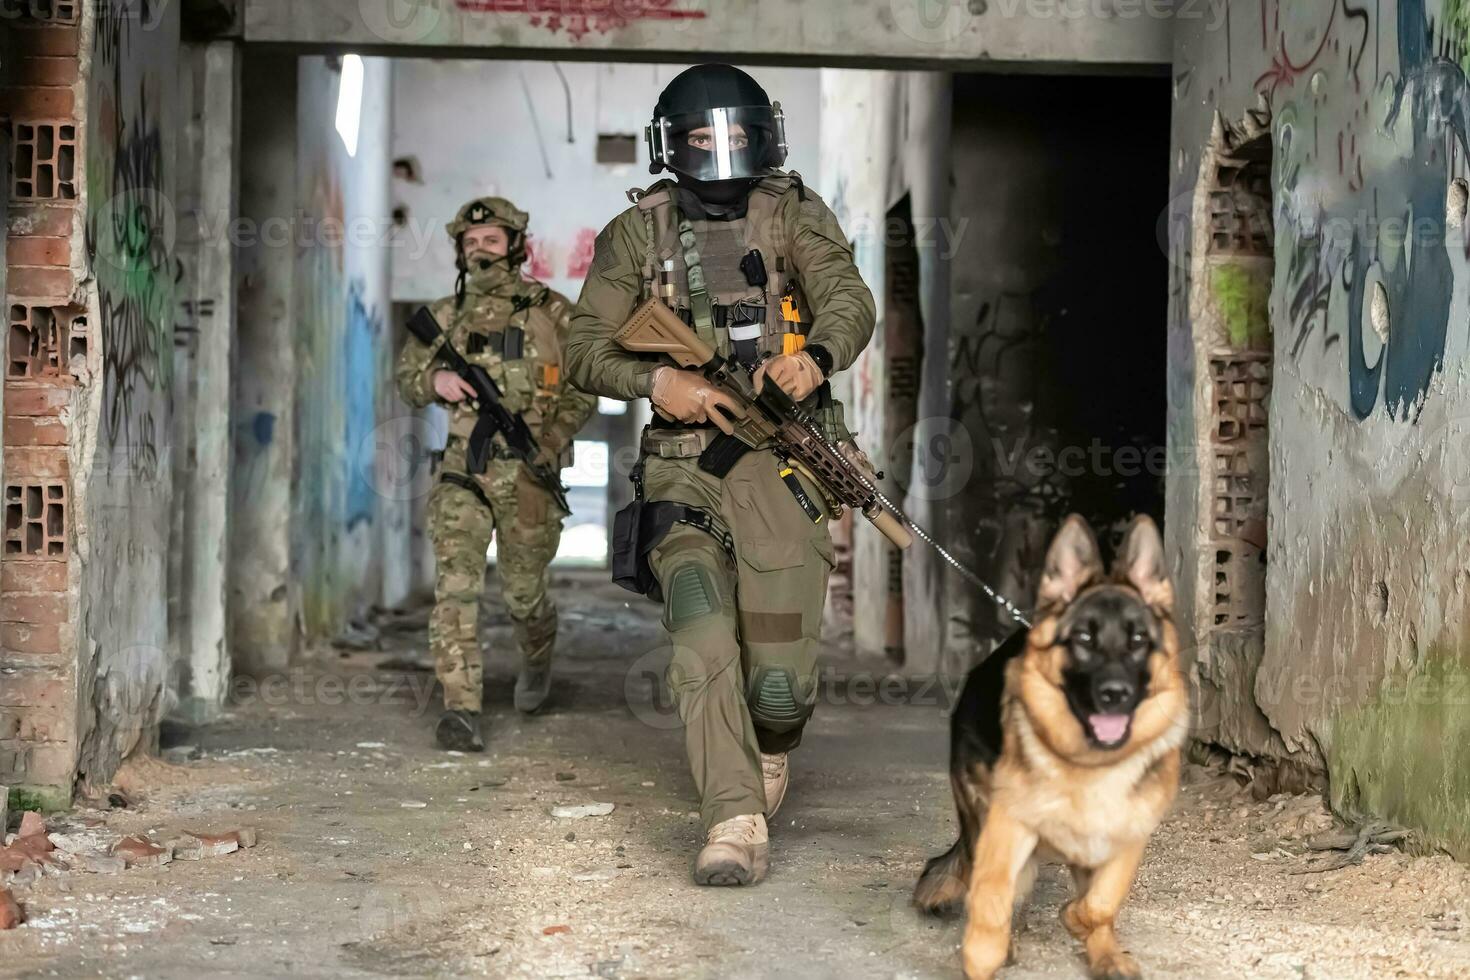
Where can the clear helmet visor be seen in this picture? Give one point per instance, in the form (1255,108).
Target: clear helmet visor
(720,144)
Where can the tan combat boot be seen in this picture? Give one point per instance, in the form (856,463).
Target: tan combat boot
(776,775)
(737,852)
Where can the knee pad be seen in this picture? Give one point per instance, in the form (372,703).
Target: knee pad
(777,700)
(690,595)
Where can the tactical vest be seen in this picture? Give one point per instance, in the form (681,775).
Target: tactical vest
(521,352)
(744,315)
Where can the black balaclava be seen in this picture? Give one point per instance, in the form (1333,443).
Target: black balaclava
(705,87)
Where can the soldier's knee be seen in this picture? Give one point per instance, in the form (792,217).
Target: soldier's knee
(689,596)
(780,697)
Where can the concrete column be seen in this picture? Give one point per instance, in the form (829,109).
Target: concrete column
(262,620)
(203,473)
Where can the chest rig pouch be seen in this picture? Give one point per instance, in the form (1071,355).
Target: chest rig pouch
(734,281)
(508,348)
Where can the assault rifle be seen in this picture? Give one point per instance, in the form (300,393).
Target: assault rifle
(493,415)
(773,419)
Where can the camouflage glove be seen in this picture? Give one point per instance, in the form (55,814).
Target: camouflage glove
(797,374)
(685,396)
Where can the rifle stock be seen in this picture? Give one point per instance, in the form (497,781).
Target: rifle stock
(655,329)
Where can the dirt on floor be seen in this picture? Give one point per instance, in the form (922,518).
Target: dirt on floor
(379,855)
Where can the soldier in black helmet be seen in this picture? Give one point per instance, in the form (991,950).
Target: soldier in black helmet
(758,266)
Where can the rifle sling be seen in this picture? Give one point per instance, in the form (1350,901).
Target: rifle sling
(460,480)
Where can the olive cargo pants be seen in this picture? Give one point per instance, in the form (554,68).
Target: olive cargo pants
(744,630)
(528,523)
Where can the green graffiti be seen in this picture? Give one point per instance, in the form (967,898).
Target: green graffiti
(1242,295)
(1457,30)
(1406,756)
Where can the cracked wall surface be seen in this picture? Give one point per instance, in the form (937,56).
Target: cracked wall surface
(1360,670)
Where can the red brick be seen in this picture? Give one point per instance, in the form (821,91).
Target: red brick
(37,283)
(17,575)
(34,431)
(31,824)
(31,637)
(22,463)
(32,687)
(46,71)
(40,609)
(39,102)
(39,399)
(141,852)
(10,913)
(47,41)
(38,251)
(41,220)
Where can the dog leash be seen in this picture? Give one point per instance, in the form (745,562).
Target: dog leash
(923,535)
(959,566)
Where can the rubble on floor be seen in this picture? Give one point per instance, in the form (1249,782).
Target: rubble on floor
(83,844)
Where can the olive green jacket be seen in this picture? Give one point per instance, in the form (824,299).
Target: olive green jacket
(843,312)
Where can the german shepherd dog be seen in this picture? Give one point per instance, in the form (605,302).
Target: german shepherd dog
(1065,746)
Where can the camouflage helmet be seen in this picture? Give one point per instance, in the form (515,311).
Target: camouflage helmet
(487,211)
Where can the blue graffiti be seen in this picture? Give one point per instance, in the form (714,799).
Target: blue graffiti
(1417,276)
(360,385)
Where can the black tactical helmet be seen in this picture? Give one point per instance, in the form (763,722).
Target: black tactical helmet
(715,123)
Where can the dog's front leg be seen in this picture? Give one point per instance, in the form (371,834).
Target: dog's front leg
(1004,847)
(1091,915)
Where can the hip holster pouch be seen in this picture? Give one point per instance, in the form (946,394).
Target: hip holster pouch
(637,530)
(722,455)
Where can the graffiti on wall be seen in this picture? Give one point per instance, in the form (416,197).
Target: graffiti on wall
(130,228)
(578,18)
(1370,127)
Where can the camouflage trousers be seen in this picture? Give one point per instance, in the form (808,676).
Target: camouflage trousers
(743,627)
(526,524)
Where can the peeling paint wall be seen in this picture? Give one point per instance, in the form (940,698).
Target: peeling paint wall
(1362,669)
(341,286)
(885,136)
(121,437)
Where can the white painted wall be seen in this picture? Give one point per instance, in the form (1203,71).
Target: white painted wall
(527,130)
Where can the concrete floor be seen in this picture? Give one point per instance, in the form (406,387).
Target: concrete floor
(379,855)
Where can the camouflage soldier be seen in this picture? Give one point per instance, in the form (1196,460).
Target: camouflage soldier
(515,327)
(757,265)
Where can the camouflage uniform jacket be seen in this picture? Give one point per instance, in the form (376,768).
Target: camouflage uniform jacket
(528,320)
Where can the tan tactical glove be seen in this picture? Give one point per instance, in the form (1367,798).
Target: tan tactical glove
(551,442)
(797,374)
(685,396)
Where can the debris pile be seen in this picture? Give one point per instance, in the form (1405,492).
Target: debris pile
(34,850)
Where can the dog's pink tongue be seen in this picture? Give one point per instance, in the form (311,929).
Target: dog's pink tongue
(1109,728)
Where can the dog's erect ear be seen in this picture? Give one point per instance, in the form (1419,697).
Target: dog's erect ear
(1141,563)
(1072,561)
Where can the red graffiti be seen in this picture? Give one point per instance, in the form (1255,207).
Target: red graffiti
(1283,70)
(582,248)
(581,17)
(538,261)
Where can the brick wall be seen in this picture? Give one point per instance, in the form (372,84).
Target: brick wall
(45,335)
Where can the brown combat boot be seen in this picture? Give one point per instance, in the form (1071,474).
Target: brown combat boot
(776,775)
(736,852)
